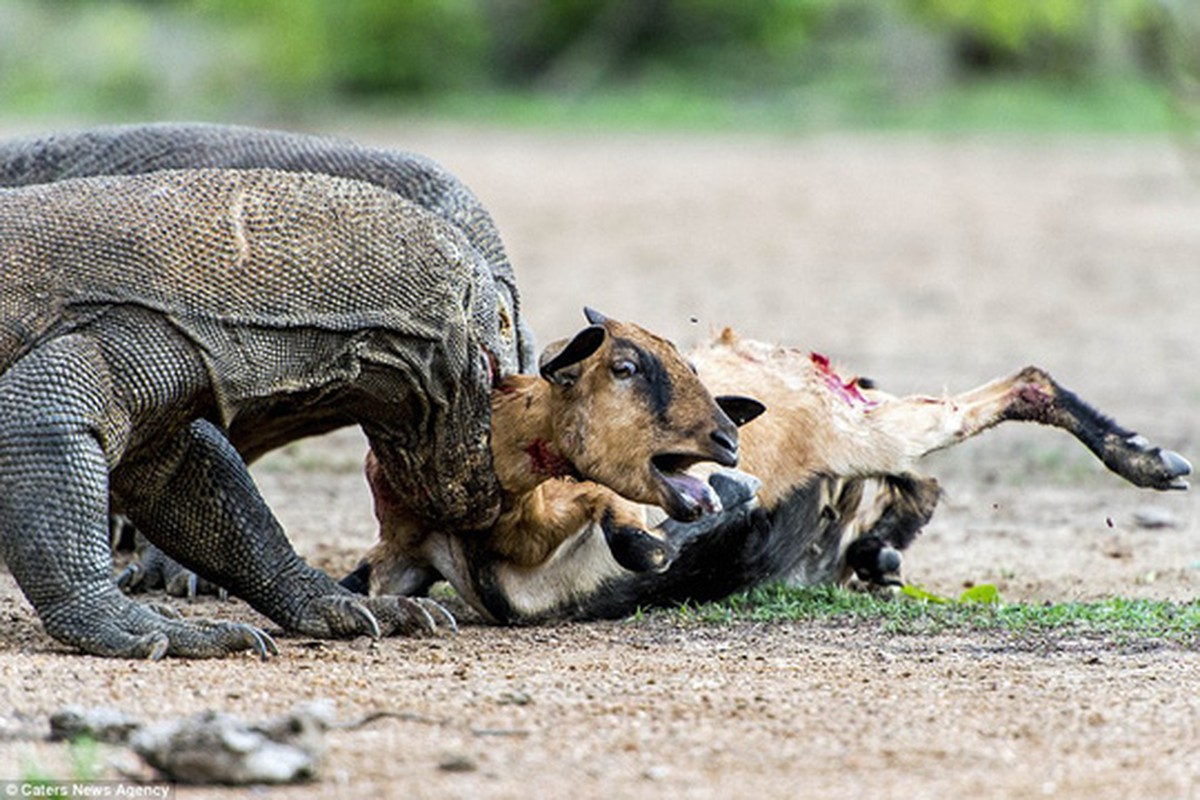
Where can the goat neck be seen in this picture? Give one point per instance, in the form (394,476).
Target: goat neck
(524,448)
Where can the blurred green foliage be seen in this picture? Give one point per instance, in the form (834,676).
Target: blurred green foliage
(272,57)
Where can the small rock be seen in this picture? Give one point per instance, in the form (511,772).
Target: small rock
(103,724)
(657,772)
(457,762)
(517,698)
(1154,518)
(364,644)
(215,748)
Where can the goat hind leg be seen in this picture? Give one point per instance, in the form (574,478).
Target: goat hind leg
(920,425)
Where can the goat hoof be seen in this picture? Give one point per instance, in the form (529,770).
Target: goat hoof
(874,561)
(1177,467)
(638,551)
(734,487)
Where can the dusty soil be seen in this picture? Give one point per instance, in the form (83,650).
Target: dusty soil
(925,264)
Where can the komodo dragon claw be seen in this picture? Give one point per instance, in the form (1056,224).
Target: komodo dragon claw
(386,615)
(410,616)
(154,569)
(189,585)
(259,641)
(442,618)
(164,610)
(264,645)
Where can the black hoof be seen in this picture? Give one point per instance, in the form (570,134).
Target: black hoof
(1177,466)
(874,561)
(636,550)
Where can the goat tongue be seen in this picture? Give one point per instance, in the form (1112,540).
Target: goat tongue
(695,492)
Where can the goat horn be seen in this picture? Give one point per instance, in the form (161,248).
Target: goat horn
(594,316)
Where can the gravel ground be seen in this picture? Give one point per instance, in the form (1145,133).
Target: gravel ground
(927,264)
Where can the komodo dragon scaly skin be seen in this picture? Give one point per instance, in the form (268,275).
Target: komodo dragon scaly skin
(136,149)
(142,316)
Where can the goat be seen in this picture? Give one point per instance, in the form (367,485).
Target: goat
(615,411)
(837,499)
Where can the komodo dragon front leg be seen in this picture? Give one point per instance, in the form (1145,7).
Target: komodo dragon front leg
(77,407)
(197,487)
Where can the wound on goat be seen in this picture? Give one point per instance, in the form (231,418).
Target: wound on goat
(849,391)
(544,462)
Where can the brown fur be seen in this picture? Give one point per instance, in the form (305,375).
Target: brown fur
(540,520)
(820,422)
(588,420)
(856,445)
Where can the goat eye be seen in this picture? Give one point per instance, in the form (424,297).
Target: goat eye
(624,369)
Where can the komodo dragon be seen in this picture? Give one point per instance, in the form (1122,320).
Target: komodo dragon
(142,316)
(136,149)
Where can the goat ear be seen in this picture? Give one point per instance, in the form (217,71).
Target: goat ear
(740,409)
(594,316)
(556,360)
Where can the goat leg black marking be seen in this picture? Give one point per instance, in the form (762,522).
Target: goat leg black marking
(358,581)
(1038,398)
(912,501)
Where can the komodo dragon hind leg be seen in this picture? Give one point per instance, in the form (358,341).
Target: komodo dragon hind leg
(199,500)
(54,513)
(153,569)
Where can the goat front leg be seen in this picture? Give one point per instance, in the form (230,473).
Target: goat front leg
(915,426)
(633,546)
(882,525)
(540,521)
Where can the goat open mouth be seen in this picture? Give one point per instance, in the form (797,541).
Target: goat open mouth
(686,497)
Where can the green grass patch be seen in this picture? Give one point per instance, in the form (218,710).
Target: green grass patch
(1016,106)
(1001,105)
(838,101)
(916,611)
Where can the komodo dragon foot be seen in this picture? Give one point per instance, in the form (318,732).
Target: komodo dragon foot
(154,569)
(330,615)
(114,626)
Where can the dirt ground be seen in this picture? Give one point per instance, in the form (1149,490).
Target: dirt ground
(926,264)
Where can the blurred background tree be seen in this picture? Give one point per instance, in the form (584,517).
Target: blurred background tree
(853,60)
